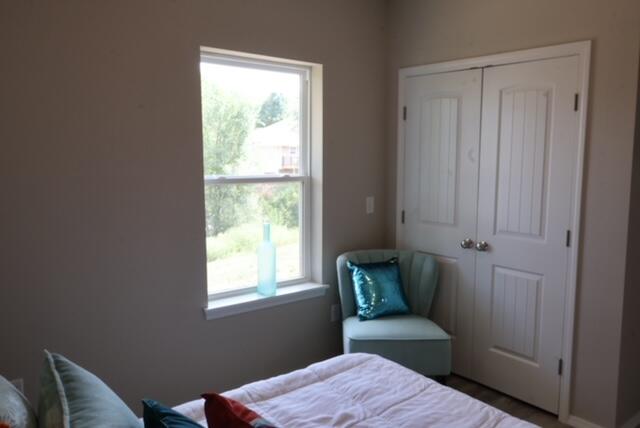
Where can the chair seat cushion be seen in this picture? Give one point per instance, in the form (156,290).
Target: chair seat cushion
(410,340)
(395,327)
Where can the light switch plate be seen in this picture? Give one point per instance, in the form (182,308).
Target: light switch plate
(370,204)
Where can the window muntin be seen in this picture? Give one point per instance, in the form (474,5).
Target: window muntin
(255,146)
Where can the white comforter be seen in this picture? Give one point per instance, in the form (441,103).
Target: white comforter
(360,390)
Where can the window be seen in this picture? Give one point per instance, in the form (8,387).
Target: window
(256,168)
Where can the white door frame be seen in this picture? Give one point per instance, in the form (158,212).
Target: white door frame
(583,51)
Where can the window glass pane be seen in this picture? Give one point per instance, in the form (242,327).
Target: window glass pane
(251,120)
(235,214)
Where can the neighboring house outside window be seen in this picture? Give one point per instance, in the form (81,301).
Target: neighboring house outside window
(277,144)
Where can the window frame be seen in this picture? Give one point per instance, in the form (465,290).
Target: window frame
(238,59)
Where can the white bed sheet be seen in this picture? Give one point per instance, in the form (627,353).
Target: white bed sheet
(360,390)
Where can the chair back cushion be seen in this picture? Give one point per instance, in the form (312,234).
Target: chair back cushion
(418,271)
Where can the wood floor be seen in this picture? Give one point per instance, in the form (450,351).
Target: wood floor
(505,403)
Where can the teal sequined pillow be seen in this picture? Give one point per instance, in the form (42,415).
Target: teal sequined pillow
(378,289)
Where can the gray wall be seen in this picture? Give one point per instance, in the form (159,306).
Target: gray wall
(101,222)
(629,386)
(428,31)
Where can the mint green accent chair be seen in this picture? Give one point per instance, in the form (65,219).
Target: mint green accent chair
(412,340)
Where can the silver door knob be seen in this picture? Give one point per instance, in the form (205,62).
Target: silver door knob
(466,243)
(482,246)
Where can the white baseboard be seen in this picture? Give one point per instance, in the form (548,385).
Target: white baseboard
(577,422)
(634,422)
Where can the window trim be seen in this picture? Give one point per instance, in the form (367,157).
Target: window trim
(305,71)
(248,302)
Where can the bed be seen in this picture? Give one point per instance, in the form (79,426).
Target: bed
(360,390)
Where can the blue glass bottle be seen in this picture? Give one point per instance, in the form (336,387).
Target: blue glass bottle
(267,264)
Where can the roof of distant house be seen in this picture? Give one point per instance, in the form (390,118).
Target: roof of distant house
(284,133)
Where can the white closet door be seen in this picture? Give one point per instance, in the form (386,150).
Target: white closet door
(528,155)
(442,135)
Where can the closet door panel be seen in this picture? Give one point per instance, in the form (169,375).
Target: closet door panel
(528,154)
(442,134)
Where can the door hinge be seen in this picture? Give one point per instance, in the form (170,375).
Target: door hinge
(575,102)
(560,367)
(568,239)
(404,113)
(402,217)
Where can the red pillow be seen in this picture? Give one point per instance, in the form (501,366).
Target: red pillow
(224,412)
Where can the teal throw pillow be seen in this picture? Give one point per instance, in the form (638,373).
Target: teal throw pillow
(378,289)
(157,415)
(70,396)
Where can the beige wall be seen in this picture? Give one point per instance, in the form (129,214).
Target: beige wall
(101,221)
(102,254)
(629,386)
(428,31)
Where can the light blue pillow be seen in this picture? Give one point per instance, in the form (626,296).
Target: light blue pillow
(378,289)
(15,409)
(72,397)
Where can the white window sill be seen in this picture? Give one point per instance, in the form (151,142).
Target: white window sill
(227,306)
